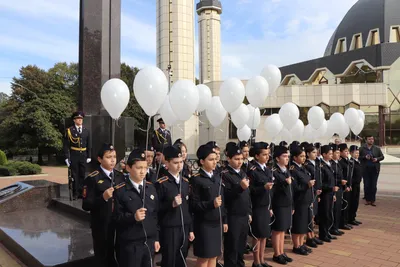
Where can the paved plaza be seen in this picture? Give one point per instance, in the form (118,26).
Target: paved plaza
(376,243)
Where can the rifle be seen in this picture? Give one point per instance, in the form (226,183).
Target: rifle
(70,184)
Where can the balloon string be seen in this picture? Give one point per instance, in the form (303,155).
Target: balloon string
(113,131)
(117,123)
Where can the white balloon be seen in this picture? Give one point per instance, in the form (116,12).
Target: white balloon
(273,126)
(337,124)
(351,116)
(297,130)
(184,99)
(215,112)
(321,131)
(344,131)
(167,113)
(289,114)
(204,97)
(232,94)
(358,127)
(330,130)
(240,116)
(254,117)
(286,136)
(308,134)
(273,76)
(361,114)
(257,90)
(315,117)
(244,133)
(115,97)
(150,88)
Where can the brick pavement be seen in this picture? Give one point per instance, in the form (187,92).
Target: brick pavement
(376,243)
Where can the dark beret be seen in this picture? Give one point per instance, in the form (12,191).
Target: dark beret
(325,149)
(105,147)
(212,144)
(353,148)
(279,150)
(232,149)
(204,150)
(78,114)
(160,120)
(171,152)
(136,155)
(342,147)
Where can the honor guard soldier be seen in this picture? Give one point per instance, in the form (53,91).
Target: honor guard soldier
(98,190)
(161,136)
(356,173)
(238,207)
(136,215)
(174,217)
(77,152)
(325,207)
(346,166)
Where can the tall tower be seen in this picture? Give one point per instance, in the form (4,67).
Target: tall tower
(175,55)
(209,12)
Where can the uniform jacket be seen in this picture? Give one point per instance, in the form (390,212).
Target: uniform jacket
(187,170)
(302,192)
(328,177)
(260,197)
(161,138)
(283,192)
(345,164)
(167,190)
(204,191)
(356,171)
(100,210)
(376,153)
(315,172)
(127,202)
(151,176)
(338,173)
(75,140)
(246,166)
(237,200)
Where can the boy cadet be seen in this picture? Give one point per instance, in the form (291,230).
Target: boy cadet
(340,182)
(219,167)
(136,215)
(174,216)
(98,191)
(346,166)
(238,206)
(151,175)
(356,173)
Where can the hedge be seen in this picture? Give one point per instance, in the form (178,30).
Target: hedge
(3,158)
(19,168)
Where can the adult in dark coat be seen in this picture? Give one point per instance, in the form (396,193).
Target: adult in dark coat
(161,136)
(77,152)
(370,156)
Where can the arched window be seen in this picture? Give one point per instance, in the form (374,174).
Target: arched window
(373,38)
(341,46)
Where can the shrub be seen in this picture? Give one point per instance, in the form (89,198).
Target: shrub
(7,171)
(24,167)
(3,158)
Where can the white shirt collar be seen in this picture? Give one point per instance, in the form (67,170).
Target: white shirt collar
(297,164)
(210,174)
(136,185)
(263,166)
(77,127)
(283,169)
(312,161)
(175,177)
(327,162)
(106,172)
(236,170)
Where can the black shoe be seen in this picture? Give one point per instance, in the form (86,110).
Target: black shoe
(341,232)
(325,239)
(335,232)
(345,227)
(318,241)
(300,251)
(311,243)
(332,237)
(353,223)
(373,204)
(348,225)
(256,265)
(287,258)
(309,250)
(358,222)
(280,259)
(265,264)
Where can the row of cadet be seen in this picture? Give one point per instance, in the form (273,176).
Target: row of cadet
(158,204)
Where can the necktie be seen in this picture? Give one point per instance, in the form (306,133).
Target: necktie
(79,129)
(112,178)
(141,191)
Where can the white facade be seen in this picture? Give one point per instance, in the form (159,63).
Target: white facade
(175,48)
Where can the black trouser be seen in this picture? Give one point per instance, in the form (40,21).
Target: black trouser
(370,176)
(344,219)
(172,239)
(325,214)
(235,241)
(103,246)
(337,210)
(354,200)
(136,254)
(78,169)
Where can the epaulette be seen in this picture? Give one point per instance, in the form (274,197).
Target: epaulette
(305,163)
(93,174)
(273,169)
(185,179)
(196,174)
(291,168)
(118,186)
(224,171)
(322,165)
(253,168)
(162,179)
(147,182)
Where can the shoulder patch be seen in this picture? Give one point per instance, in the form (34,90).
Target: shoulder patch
(305,163)
(224,171)
(93,174)
(118,186)
(100,181)
(253,168)
(162,179)
(147,182)
(291,168)
(322,165)
(196,174)
(273,169)
(185,179)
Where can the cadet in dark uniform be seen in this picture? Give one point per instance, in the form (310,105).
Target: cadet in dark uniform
(174,217)
(356,173)
(159,162)
(238,207)
(161,136)
(313,165)
(344,162)
(187,170)
(98,190)
(220,166)
(77,152)
(325,207)
(282,204)
(245,148)
(340,184)
(136,215)
(151,175)
(261,183)
(303,197)
(284,144)
(207,203)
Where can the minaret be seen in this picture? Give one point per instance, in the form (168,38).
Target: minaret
(209,12)
(175,55)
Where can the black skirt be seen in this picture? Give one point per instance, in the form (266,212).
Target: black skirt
(260,223)
(283,218)
(301,219)
(207,243)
